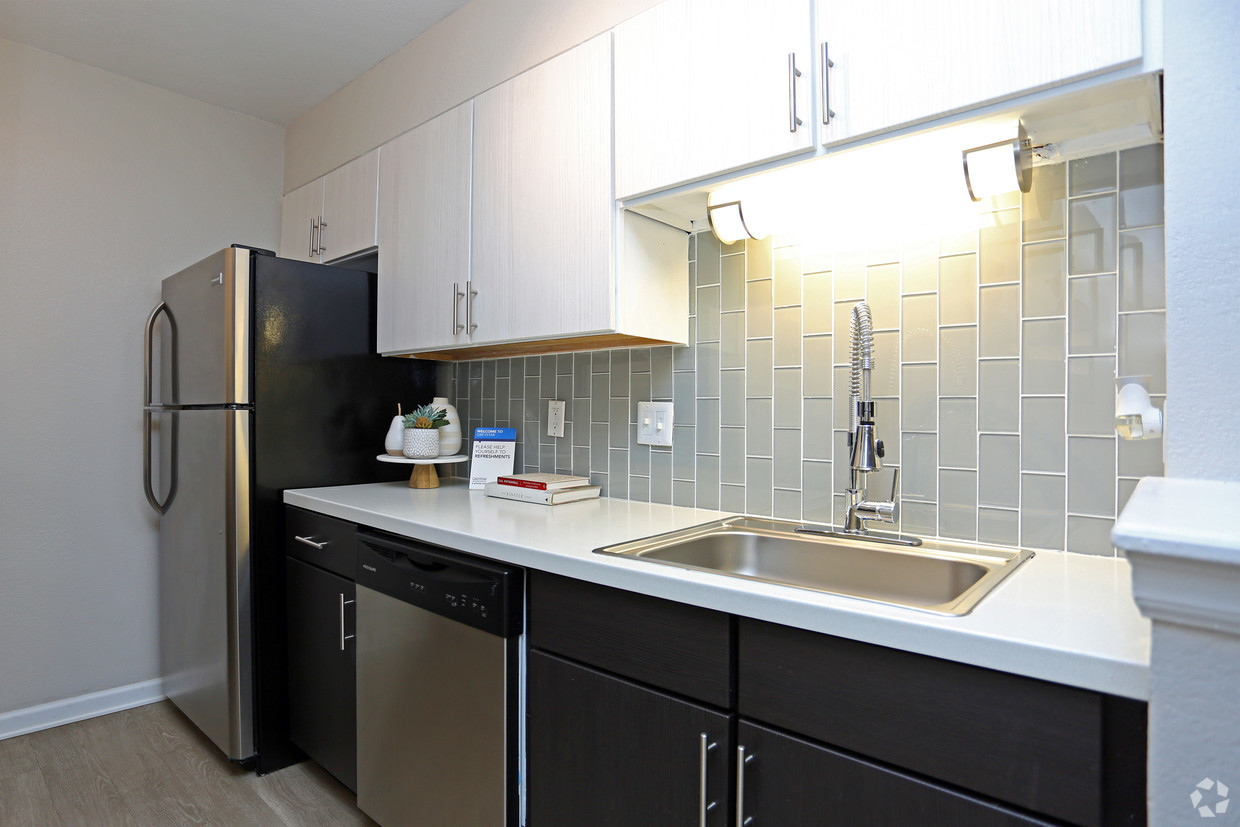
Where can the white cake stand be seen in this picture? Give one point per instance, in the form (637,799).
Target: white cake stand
(424,473)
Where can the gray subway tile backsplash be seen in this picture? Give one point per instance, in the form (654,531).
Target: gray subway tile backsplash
(996,352)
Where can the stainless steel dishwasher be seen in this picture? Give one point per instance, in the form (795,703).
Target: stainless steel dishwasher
(438,653)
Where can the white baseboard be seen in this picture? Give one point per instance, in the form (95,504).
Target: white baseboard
(46,716)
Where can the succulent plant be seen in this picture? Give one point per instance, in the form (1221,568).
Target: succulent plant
(426,416)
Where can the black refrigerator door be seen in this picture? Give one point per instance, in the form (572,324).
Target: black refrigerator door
(323,400)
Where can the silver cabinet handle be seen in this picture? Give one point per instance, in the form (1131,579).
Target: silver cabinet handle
(703,806)
(469,306)
(827,112)
(793,74)
(314,227)
(741,760)
(343,636)
(457,295)
(309,542)
(322,248)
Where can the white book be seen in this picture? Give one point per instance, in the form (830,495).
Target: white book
(532,495)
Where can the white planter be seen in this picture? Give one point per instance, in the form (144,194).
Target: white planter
(450,434)
(421,443)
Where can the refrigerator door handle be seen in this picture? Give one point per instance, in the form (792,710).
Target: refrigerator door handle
(147,370)
(161,507)
(148,350)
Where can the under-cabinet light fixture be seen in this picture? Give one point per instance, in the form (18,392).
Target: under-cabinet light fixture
(727,220)
(1004,166)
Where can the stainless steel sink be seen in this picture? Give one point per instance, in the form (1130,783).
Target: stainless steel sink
(948,578)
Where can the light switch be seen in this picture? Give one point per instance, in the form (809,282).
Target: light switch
(555,417)
(654,423)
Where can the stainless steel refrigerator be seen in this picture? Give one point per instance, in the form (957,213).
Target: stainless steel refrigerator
(267,379)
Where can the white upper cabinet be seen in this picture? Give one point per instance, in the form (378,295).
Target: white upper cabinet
(350,204)
(300,212)
(543,209)
(898,62)
(707,86)
(424,235)
(334,216)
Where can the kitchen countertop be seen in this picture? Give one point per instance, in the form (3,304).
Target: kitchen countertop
(1067,618)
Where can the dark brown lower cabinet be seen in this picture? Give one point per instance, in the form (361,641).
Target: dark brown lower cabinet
(321,668)
(790,781)
(605,752)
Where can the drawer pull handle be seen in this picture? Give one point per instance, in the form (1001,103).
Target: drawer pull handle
(741,760)
(703,806)
(793,74)
(827,64)
(343,636)
(310,542)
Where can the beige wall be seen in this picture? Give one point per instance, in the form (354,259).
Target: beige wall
(106,186)
(482,44)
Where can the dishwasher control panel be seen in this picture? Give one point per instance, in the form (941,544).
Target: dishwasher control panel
(468,589)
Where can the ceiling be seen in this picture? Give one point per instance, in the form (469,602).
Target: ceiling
(273,59)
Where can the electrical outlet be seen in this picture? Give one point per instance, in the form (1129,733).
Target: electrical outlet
(555,417)
(654,423)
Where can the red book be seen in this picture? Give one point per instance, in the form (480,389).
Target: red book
(542,482)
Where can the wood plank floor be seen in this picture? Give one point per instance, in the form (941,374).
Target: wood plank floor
(151,766)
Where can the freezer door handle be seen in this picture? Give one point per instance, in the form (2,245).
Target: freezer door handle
(147,370)
(148,350)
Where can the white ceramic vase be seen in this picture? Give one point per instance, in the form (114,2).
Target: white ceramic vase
(421,443)
(450,434)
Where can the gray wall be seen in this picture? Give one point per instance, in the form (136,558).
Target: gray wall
(106,186)
(996,353)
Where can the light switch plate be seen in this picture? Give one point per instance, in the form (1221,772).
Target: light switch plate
(555,417)
(654,423)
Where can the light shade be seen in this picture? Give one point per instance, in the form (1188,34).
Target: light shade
(997,168)
(727,220)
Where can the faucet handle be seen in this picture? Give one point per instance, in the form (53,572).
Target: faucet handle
(882,511)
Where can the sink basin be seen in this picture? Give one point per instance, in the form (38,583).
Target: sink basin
(942,577)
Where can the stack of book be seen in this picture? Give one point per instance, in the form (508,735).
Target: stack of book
(547,489)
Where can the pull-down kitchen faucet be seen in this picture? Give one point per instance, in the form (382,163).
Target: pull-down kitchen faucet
(866,449)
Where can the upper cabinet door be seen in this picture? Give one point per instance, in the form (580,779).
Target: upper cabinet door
(350,199)
(898,63)
(543,206)
(300,211)
(707,86)
(424,235)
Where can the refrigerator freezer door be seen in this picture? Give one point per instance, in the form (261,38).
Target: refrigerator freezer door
(204,573)
(205,336)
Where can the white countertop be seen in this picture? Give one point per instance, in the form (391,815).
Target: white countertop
(1067,618)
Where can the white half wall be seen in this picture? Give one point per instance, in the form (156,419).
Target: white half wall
(478,46)
(1202,209)
(106,186)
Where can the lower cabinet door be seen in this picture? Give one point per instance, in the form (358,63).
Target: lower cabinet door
(604,752)
(321,666)
(786,780)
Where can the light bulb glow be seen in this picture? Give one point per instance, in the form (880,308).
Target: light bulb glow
(992,170)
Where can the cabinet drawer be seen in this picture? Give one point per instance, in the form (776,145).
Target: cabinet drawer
(682,649)
(788,780)
(324,541)
(1069,753)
